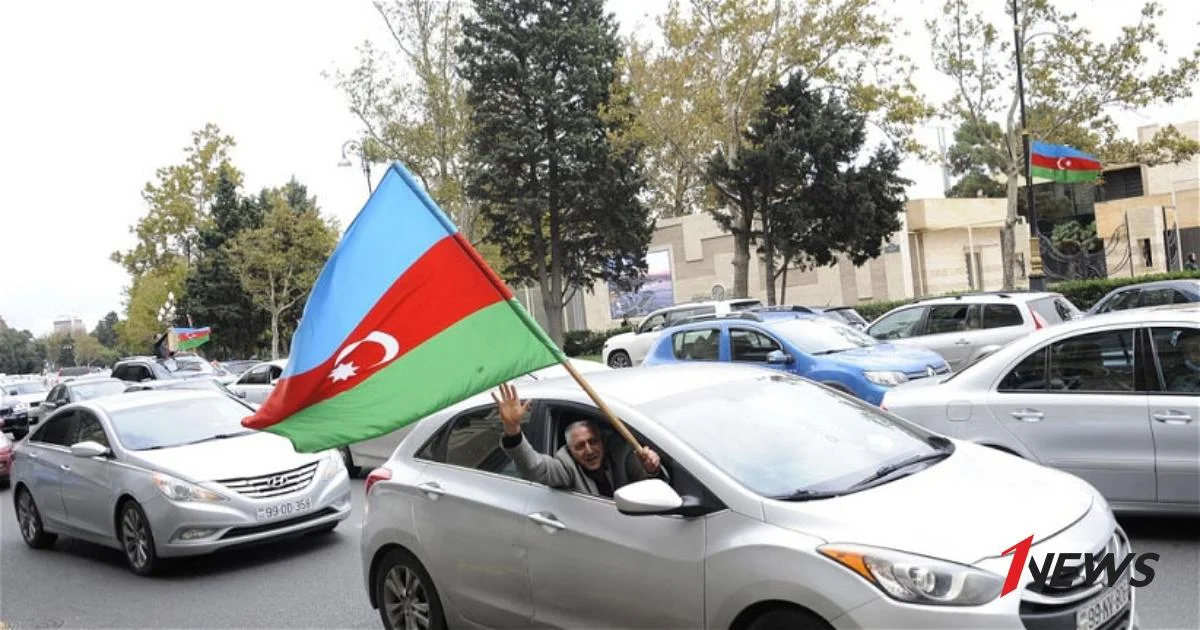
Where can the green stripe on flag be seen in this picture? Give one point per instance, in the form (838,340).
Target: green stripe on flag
(477,353)
(1064,176)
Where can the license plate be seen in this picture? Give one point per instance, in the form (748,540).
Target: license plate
(284,510)
(1109,605)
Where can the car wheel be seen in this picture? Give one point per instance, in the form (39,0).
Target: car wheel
(30,522)
(137,541)
(788,619)
(406,595)
(619,359)
(348,459)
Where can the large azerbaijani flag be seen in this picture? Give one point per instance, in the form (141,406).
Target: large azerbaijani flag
(405,319)
(1062,163)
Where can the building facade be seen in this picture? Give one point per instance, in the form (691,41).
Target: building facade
(69,325)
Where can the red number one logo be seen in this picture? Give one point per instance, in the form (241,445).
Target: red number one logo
(1021,554)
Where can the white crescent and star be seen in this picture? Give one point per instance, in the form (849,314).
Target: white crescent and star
(345,371)
(1063,163)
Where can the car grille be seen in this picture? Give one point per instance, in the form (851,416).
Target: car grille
(1053,607)
(924,373)
(275,484)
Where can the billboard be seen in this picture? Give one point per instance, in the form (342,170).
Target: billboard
(654,290)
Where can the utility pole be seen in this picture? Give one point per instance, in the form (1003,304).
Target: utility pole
(1037,279)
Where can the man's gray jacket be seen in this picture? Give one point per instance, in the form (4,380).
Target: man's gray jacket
(621,466)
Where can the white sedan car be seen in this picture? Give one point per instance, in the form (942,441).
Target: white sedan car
(1113,399)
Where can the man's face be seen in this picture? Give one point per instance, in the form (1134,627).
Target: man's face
(586,447)
(1191,348)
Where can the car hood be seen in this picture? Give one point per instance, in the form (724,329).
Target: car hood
(29,399)
(249,455)
(620,338)
(971,506)
(886,356)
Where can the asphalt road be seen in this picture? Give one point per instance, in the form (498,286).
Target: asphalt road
(315,582)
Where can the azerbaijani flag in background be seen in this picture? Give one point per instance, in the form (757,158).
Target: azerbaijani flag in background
(188,338)
(405,319)
(1062,163)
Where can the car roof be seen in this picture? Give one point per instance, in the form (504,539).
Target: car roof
(641,385)
(1173,282)
(991,297)
(91,381)
(150,398)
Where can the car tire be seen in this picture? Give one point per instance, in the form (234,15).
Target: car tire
(619,359)
(403,589)
(137,540)
(787,619)
(348,460)
(29,521)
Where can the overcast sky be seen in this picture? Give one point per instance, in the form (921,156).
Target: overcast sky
(97,95)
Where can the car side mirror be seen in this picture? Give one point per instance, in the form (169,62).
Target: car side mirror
(241,393)
(89,449)
(651,496)
(779,357)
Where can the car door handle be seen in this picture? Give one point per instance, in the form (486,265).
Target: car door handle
(65,467)
(32,455)
(545,519)
(963,342)
(1172,417)
(1028,415)
(431,489)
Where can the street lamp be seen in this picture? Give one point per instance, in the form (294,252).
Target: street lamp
(354,146)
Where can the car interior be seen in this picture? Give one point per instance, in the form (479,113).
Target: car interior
(563,414)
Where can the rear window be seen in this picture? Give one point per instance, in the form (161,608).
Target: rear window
(1001,316)
(742,305)
(1054,310)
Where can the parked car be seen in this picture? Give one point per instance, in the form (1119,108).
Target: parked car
(1113,399)
(256,383)
(78,389)
(374,452)
(813,346)
(17,401)
(5,460)
(788,506)
(844,314)
(966,328)
(167,474)
(628,349)
(1146,294)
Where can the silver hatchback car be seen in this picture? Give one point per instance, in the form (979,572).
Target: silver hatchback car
(160,474)
(789,506)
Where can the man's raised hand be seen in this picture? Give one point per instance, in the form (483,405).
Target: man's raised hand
(511,408)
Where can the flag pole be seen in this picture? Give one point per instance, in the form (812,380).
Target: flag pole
(612,417)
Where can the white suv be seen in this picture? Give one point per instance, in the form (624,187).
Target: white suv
(628,349)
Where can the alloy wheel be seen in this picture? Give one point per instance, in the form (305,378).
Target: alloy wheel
(136,536)
(28,517)
(405,599)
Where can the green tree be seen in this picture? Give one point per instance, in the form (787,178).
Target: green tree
(87,350)
(106,330)
(143,300)
(178,204)
(707,79)
(278,263)
(555,174)
(213,294)
(1074,82)
(796,178)
(18,352)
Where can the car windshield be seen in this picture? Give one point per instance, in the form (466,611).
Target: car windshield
(21,389)
(780,435)
(850,316)
(179,422)
(194,364)
(822,335)
(96,390)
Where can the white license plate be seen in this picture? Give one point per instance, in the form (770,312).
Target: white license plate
(284,510)
(1109,605)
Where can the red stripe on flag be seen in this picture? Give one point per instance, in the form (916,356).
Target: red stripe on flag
(442,287)
(1069,164)
(483,266)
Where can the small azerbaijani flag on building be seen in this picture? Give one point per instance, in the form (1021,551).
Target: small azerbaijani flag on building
(1062,163)
(405,319)
(188,338)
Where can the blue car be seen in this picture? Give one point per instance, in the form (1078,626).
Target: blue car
(816,347)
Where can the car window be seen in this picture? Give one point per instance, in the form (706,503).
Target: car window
(1028,375)
(697,345)
(56,430)
(472,440)
(946,318)
(898,325)
(276,372)
(1121,301)
(751,345)
(1177,350)
(1157,297)
(96,390)
(653,323)
(792,434)
(1099,362)
(1003,315)
(88,428)
(260,375)
(58,395)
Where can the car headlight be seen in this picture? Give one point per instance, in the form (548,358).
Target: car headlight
(917,579)
(887,379)
(178,490)
(333,465)
(20,407)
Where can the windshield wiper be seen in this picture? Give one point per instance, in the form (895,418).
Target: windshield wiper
(219,436)
(807,495)
(884,471)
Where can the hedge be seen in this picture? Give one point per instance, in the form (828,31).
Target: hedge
(1082,293)
(577,343)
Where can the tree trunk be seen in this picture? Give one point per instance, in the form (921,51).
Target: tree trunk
(1008,235)
(274,335)
(741,254)
(769,255)
(783,281)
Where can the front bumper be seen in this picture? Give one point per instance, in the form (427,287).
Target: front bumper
(235,523)
(1004,613)
(15,421)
